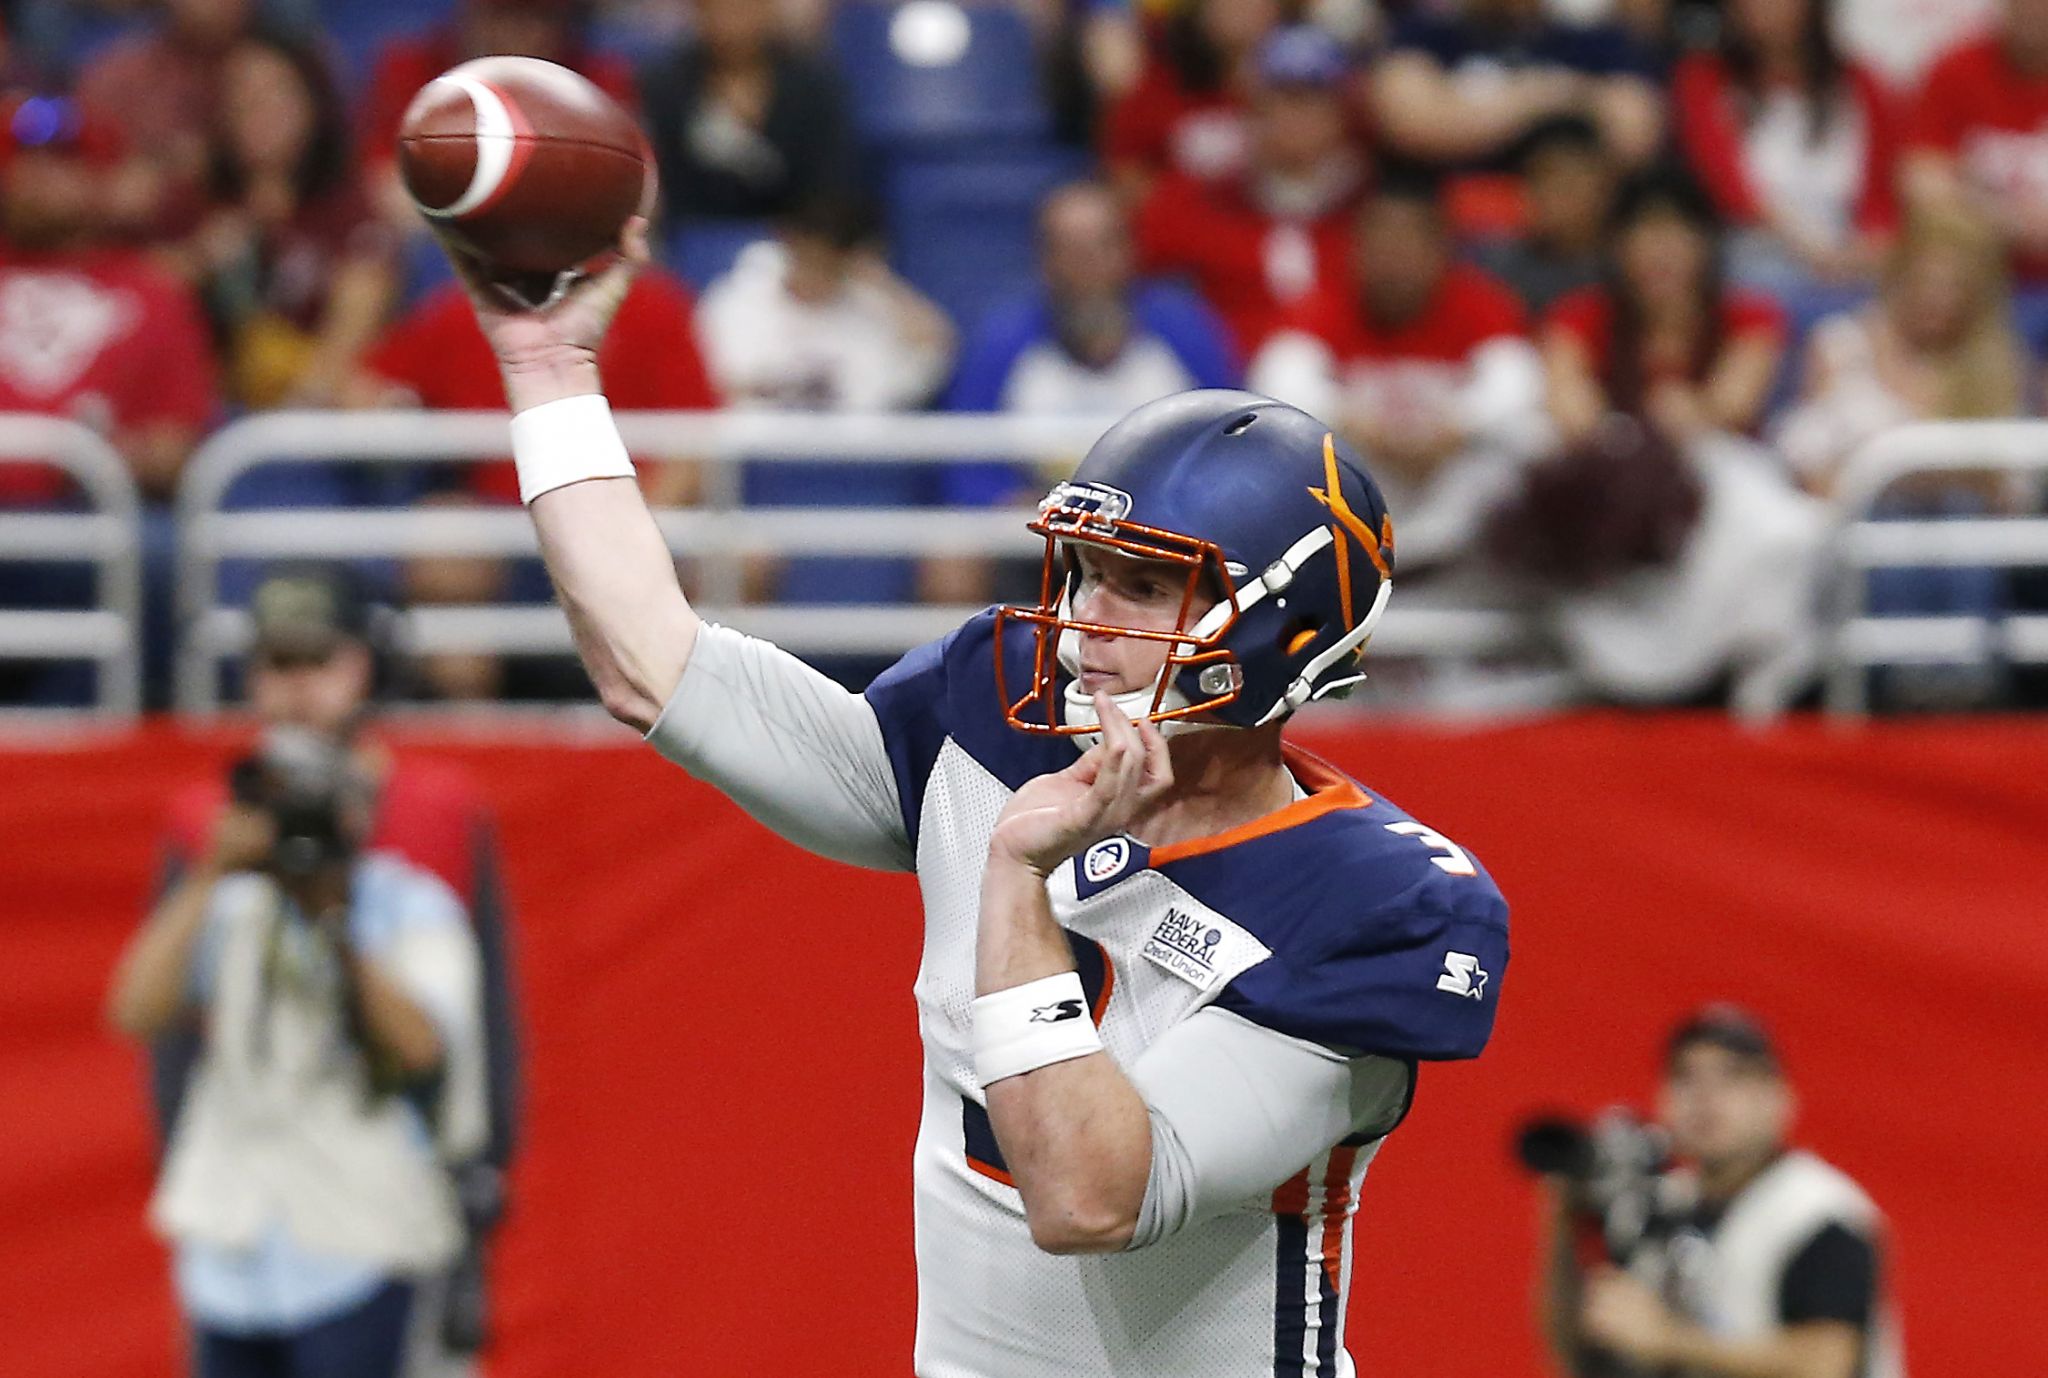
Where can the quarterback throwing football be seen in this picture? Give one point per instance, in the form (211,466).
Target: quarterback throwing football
(1177,975)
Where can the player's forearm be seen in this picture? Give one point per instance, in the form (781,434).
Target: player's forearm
(1075,1134)
(611,567)
(150,983)
(616,580)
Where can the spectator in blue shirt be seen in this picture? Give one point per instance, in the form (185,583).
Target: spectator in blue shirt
(1460,90)
(1091,340)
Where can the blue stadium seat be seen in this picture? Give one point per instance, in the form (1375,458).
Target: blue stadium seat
(422,268)
(963,229)
(701,251)
(356,29)
(910,89)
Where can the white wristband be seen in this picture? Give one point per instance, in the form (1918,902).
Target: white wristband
(1030,1026)
(566,441)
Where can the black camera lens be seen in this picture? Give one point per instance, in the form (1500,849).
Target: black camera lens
(1554,1147)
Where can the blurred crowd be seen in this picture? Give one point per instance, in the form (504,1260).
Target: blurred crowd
(1607,291)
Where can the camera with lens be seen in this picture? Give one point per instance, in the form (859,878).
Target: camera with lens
(1611,1167)
(313,795)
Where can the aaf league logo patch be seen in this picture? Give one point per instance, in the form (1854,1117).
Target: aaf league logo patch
(1105,859)
(1108,862)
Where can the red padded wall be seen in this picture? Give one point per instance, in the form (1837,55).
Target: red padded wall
(723,1048)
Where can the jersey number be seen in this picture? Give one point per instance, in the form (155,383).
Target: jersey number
(1453,862)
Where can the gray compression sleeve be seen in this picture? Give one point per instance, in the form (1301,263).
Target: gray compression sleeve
(1238,1109)
(797,751)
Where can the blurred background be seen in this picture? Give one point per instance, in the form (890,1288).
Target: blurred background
(1698,345)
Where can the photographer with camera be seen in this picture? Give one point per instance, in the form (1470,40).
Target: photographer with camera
(322,659)
(338,996)
(1705,1246)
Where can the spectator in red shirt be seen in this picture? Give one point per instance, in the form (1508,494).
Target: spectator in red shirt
(1186,114)
(1263,242)
(436,357)
(1980,135)
(1423,363)
(550,29)
(1796,146)
(160,88)
(89,330)
(1665,339)
(295,268)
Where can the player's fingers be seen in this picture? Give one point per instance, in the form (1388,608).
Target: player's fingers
(1123,751)
(1117,732)
(633,241)
(1158,765)
(1089,766)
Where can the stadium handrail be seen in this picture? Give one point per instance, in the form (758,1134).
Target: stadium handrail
(716,532)
(1865,539)
(109,536)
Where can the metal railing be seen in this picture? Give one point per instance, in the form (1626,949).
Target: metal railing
(715,536)
(1866,539)
(109,537)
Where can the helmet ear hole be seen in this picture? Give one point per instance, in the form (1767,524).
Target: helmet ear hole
(1297,634)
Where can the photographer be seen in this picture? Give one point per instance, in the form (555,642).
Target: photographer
(342,1062)
(321,659)
(1751,1260)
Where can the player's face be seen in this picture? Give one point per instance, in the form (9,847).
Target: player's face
(322,695)
(1722,1108)
(1118,590)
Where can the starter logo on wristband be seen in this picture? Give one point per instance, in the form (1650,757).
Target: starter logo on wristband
(1054,1013)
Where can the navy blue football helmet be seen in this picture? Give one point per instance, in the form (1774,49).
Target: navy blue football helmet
(1285,541)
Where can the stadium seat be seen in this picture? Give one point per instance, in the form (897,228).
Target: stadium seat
(963,229)
(935,74)
(356,29)
(701,251)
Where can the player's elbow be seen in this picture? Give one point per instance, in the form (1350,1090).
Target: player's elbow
(626,701)
(1078,1227)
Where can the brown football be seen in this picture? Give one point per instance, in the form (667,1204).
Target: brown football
(524,163)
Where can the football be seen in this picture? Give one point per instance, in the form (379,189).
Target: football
(523,163)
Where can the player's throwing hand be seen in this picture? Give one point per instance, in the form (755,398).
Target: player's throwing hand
(1115,781)
(543,349)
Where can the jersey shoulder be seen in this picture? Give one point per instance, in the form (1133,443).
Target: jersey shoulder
(1386,936)
(949,690)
